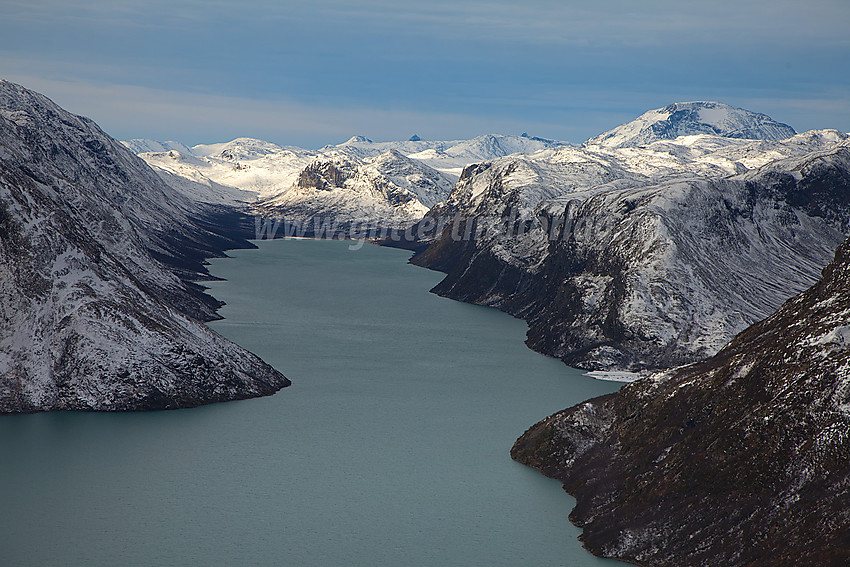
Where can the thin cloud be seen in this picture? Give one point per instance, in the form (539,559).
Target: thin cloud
(603,24)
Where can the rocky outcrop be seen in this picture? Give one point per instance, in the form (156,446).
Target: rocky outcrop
(741,459)
(321,176)
(97,256)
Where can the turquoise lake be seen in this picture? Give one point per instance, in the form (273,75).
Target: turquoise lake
(389,449)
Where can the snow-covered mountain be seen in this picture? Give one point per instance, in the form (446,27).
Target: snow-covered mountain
(96,254)
(687,118)
(529,179)
(741,459)
(642,257)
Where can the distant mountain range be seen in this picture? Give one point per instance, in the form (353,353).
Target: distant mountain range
(356,185)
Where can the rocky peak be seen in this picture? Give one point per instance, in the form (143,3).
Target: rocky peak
(324,174)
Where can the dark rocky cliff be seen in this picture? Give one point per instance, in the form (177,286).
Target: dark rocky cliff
(741,459)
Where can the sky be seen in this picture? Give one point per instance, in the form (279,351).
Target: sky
(310,73)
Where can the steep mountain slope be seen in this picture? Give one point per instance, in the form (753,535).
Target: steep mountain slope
(741,459)
(428,185)
(93,244)
(687,118)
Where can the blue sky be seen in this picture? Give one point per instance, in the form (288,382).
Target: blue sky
(315,72)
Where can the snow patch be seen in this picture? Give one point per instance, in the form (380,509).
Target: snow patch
(615,375)
(838,338)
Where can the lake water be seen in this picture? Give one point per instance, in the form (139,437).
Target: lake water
(389,449)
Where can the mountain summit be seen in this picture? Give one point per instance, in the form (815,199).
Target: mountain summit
(689,118)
